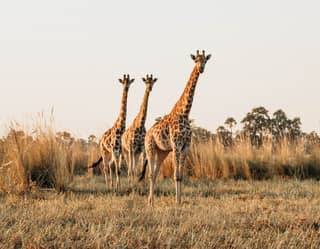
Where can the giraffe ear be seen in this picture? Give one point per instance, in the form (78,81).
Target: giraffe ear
(143,79)
(120,80)
(208,57)
(154,80)
(192,57)
(132,80)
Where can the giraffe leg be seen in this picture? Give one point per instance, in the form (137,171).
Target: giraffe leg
(121,159)
(110,171)
(155,160)
(105,169)
(134,163)
(181,166)
(143,162)
(129,166)
(124,158)
(117,171)
(144,157)
(151,162)
(161,156)
(176,162)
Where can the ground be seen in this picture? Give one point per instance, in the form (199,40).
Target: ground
(278,213)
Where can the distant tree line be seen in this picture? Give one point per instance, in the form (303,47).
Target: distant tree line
(258,126)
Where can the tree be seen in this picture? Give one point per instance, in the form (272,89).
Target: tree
(256,124)
(224,136)
(295,128)
(230,122)
(282,127)
(313,138)
(280,124)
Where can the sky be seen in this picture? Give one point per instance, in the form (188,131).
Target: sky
(67,55)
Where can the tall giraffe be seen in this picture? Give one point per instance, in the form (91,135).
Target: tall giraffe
(173,132)
(110,143)
(133,137)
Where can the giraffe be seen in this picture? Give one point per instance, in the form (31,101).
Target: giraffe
(133,137)
(172,133)
(110,143)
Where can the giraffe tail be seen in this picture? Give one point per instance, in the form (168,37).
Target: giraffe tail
(144,169)
(96,163)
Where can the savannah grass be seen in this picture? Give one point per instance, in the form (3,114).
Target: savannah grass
(211,160)
(233,197)
(39,158)
(46,158)
(278,213)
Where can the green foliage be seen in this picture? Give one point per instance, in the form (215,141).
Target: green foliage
(257,124)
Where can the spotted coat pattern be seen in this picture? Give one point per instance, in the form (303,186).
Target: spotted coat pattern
(133,137)
(173,132)
(110,143)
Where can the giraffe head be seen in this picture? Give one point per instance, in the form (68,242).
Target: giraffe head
(149,80)
(200,60)
(126,81)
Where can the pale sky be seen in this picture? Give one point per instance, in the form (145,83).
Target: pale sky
(68,54)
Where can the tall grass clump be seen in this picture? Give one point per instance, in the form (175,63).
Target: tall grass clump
(40,158)
(209,159)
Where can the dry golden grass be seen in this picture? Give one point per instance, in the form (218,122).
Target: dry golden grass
(217,212)
(41,158)
(214,214)
(210,160)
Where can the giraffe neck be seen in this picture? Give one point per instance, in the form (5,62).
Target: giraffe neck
(140,120)
(121,120)
(183,105)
